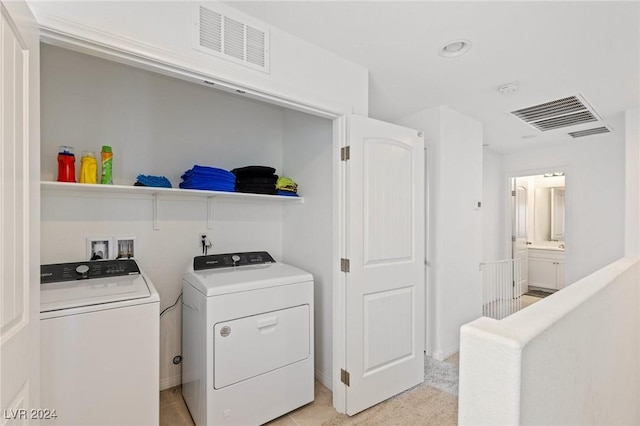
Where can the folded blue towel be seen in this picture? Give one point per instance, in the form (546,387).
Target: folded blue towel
(208,178)
(156,181)
(210,172)
(208,186)
(286,193)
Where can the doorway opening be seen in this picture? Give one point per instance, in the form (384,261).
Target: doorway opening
(538,223)
(534,263)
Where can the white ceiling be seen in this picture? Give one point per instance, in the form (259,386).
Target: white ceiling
(553,49)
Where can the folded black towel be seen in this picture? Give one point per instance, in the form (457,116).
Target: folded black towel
(253,171)
(263,186)
(271,180)
(269,191)
(257,185)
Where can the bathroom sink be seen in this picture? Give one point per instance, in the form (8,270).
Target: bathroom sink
(559,247)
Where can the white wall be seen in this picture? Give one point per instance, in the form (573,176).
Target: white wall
(159,125)
(155,124)
(595,196)
(454,235)
(308,229)
(165,32)
(571,358)
(492,200)
(632,193)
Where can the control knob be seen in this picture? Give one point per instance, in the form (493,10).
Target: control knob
(82,269)
(235,258)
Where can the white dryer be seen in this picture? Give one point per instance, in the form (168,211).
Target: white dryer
(99,348)
(247,339)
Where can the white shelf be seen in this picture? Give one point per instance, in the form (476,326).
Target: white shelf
(153,192)
(156,194)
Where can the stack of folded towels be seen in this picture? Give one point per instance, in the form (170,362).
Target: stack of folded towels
(208,178)
(256,179)
(156,181)
(287,187)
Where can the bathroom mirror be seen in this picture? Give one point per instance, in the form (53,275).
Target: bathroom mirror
(557,214)
(549,214)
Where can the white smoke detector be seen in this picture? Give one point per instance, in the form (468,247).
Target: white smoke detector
(508,88)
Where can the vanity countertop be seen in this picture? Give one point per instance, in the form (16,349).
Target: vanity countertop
(546,247)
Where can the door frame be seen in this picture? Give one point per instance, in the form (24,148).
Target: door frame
(568,212)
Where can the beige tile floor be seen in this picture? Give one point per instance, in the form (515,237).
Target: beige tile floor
(422,405)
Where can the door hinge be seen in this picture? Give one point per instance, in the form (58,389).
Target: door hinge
(344,265)
(513,238)
(344,377)
(345,153)
(513,193)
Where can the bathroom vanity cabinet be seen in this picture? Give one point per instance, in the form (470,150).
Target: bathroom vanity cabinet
(546,268)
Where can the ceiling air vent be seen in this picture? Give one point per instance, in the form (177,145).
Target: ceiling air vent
(232,38)
(589,132)
(565,112)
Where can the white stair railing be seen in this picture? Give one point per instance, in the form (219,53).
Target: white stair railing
(501,288)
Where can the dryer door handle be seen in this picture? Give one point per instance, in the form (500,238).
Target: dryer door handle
(271,321)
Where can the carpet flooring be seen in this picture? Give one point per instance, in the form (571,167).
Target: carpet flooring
(434,402)
(441,375)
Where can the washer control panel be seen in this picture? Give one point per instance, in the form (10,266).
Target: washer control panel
(59,272)
(230,260)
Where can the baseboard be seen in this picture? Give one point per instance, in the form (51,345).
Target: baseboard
(169,382)
(442,355)
(326,381)
(451,351)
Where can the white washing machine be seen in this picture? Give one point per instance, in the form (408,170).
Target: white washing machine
(100,349)
(247,339)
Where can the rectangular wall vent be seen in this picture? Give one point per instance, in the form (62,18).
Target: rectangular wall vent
(589,132)
(565,112)
(232,38)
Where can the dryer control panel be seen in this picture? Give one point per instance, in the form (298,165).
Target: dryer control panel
(230,260)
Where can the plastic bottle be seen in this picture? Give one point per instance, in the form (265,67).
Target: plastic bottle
(88,168)
(107,165)
(66,164)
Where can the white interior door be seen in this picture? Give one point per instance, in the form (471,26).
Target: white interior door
(520,249)
(385,247)
(19,264)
